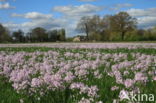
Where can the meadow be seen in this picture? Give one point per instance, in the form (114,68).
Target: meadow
(78,73)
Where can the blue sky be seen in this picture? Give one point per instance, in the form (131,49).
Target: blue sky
(55,14)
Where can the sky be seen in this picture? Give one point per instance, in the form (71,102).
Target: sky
(56,14)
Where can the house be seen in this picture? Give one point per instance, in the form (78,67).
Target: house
(80,38)
(76,39)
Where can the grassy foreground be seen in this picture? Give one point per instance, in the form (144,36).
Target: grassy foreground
(105,83)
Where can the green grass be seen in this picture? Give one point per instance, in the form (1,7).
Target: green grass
(7,93)
(119,50)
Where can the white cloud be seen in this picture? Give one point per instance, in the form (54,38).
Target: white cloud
(48,24)
(12,26)
(142,12)
(146,22)
(119,6)
(81,10)
(37,19)
(69,19)
(73,14)
(6,6)
(146,17)
(32,15)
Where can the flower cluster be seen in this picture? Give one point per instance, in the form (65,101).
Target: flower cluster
(41,72)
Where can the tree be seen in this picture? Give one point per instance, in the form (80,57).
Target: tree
(105,28)
(62,34)
(94,36)
(122,22)
(57,35)
(39,34)
(153,31)
(83,26)
(141,34)
(18,36)
(96,27)
(92,26)
(150,34)
(2,31)
(52,35)
(4,34)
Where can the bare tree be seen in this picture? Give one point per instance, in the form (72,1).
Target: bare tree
(83,26)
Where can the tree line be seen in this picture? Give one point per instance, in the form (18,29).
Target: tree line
(118,27)
(37,34)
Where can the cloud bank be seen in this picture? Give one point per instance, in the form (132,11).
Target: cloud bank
(6,6)
(146,17)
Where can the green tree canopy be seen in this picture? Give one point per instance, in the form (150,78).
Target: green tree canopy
(4,34)
(122,23)
(39,34)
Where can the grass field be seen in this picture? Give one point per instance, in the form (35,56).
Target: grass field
(77,73)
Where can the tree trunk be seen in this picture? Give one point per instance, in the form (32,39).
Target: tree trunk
(122,35)
(87,31)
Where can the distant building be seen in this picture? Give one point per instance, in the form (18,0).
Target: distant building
(76,39)
(80,38)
